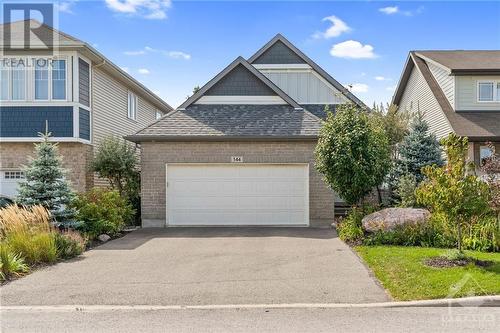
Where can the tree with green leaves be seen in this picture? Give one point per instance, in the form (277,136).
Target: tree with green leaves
(116,161)
(394,122)
(44,183)
(452,190)
(352,153)
(417,150)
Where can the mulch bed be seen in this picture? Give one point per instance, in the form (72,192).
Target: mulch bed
(443,262)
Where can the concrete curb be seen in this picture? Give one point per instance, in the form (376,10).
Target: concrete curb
(477,301)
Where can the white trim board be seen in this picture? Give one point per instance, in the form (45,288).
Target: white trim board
(281,66)
(240,100)
(52,139)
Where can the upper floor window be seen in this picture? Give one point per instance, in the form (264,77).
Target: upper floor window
(59,79)
(488,91)
(27,79)
(41,80)
(132,105)
(4,82)
(12,80)
(158,114)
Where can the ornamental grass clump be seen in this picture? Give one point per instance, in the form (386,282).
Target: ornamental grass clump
(28,232)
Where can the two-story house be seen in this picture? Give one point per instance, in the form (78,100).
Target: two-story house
(74,90)
(240,151)
(458,91)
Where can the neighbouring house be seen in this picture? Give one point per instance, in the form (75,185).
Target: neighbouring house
(73,89)
(458,91)
(240,151)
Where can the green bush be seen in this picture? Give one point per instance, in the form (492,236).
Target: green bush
(452,190)
(69,244)
(11,264)
(349,228)
(424,235)
(102,211)
(406,190)
(482,234)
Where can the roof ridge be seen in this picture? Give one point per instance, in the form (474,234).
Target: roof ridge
(48,27)
(279,37)
(239,61)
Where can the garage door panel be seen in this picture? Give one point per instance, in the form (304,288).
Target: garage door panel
(215,194)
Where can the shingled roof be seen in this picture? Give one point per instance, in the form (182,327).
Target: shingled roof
(476,125)
(465,62)
(216,122)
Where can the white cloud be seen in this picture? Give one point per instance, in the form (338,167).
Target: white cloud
(170,54)
(143,71)
(382,78)
(134,53)
(338,27)
(149,9)
(65,6)
(352,49)
(125,69)
(389,10)
(178,55)
(395,10)
(391,88)
(357,87)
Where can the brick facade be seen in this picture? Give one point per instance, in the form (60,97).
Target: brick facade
(76,158)
(154,156)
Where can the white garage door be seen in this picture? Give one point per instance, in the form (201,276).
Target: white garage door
(9,182)
(243,194)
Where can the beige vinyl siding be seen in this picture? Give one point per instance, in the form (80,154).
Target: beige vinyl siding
(305,87)
(418,96)
(110,113)
(445,81)
(109,108)
(466,91)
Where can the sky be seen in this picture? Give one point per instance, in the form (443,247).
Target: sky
(173,46)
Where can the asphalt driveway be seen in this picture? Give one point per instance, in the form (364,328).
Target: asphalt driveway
(191,266)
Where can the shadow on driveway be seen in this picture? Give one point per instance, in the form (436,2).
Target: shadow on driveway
(139,237)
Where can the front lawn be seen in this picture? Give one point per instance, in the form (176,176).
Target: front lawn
(402,272)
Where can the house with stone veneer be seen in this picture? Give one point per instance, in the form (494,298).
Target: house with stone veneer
(68,85)
(240,151)
(457,91)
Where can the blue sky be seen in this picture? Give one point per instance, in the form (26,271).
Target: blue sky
(172,47)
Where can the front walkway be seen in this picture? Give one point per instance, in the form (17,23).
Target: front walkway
(191,266)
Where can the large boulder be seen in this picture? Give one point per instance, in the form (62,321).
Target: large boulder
(389,218)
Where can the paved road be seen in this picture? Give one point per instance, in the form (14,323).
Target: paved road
(192,266)
(424,319)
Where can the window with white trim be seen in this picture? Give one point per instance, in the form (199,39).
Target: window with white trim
(4,82)
(158,114)
(41,80)
(488,91)
(59,79)
(132,105)
(484,153)
(33,79)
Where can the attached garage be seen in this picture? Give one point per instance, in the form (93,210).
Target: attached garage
(237,194)
(9,182)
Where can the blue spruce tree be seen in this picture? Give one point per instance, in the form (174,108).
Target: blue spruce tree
(418,149)
(44,182)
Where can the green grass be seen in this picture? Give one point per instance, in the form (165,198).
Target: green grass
(402,272)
